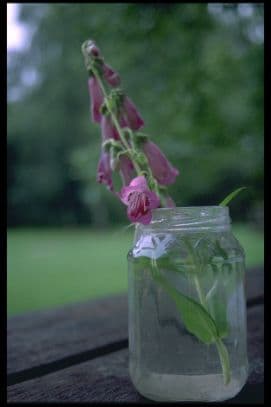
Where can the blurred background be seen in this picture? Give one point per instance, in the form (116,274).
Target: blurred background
(195,71)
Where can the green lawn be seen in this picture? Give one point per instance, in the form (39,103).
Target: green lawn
(47,268)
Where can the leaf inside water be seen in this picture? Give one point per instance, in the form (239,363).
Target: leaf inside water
(195,318)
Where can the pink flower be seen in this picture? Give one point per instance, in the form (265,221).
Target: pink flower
(130,116)
(139,199)
(108,129)
(126,169)
(161,168)
(96,99)
(104,172)
(111,76)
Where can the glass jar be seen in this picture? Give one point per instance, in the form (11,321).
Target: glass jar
(187,307)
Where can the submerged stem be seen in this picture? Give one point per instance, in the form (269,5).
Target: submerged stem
(224,360)
(221,348)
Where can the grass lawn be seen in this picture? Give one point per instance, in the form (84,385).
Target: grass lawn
(51,267)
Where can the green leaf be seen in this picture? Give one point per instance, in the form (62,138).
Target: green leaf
(195,318)
(231,196)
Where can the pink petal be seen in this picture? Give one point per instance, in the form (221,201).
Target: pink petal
(161,168)
(153,199)
(145,219)
(139,183)
(111,76)
(132,115)
(104,172)
(96,99)
(125,193)
(108,130)
(126,170)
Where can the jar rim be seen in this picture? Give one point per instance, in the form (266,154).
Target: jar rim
(190,217)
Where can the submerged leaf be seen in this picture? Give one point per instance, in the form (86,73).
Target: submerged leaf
(195,318)
(218,309)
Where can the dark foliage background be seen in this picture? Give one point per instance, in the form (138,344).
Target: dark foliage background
(195,72)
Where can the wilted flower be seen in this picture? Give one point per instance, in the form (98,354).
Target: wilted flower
(130,116)
(161,168)
(140,200)
(96,98)
(104,172)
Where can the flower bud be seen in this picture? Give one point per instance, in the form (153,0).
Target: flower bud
(91,49)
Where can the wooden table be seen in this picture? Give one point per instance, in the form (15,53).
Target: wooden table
(78,353)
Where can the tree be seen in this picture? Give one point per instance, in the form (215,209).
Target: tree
(196,74)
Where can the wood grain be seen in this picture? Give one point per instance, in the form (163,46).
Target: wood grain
(41,337)
(92,333)
(107,378)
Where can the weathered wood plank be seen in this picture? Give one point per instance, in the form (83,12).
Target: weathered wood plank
(254,283)
(107,379)
(255,327)
(101,380)
(42,337)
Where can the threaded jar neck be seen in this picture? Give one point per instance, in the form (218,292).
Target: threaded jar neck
(189,218)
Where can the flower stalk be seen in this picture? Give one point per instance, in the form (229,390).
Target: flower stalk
(115,121)
(144,157)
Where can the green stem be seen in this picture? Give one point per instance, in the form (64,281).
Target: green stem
(221,348)
(116,123)
(119,129)
(195,277)
(129,149)
(224,360)
(200,292)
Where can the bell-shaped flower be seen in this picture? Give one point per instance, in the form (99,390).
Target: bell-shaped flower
(108,130)
(130,116)
(140,200)
(96,99)
(104,171)
(110,75)
(126,169)
(161,168)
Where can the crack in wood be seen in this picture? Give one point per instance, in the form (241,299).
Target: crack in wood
(259,300)
(46,368)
